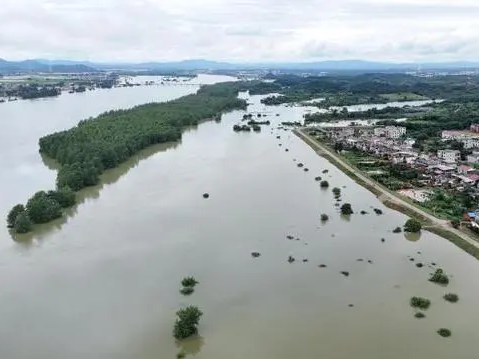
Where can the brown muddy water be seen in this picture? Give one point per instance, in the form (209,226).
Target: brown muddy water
(103,282)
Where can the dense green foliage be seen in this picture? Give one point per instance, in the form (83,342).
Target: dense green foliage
(444,332)
(189,282)
(23,224)
(41,208)
(64,196)
(439,277)
(412,225)
(346,209)
(187,322)
(419,302)
(95,145)
(14,213)
(451,297)
(324,184)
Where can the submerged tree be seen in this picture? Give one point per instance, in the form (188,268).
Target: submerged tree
(346,209)
(187,322)
(412,225)
(42,208)
(14,213)
(23,224)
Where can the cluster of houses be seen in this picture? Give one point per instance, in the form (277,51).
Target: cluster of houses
(441,169)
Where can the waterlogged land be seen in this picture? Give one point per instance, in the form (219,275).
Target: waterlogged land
(105,282)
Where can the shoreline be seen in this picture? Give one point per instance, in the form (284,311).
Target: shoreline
(430,223)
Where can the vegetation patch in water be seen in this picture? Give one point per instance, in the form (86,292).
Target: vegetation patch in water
(189,282)
(419,302)
(412,225)
(444,332)
(346,209)
(451,297)
(324,217)
(187,321)
(439,277)
(397,230)
(420,315)
(324,184)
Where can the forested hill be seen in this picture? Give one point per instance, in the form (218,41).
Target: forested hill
(86,150)
(97,144)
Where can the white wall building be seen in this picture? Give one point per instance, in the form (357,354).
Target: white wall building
(390,131)
(449,156)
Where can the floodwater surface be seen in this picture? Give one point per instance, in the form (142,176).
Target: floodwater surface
(104,282)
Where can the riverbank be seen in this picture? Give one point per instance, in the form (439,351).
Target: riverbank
(430,223)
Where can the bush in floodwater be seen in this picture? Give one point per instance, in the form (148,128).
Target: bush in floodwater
(444,332)
(412,225)
(363,212)
(451,297)
(421,303)
(13,214)
(187,290)
(337,191)
(346,209)
(319,178)
(187,322)
(439,277)
(324,217)
(420,315)
(325,171)
(23,224)
(189,282)
(300,165)
(378,211)
(324,184)
(397,230)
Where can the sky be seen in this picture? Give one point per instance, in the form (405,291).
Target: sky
(240,30)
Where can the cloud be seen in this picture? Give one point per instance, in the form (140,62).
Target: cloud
(240,30)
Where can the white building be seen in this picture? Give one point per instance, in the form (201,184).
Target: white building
(449,156)
(468,138)
(390,131)
(474,157)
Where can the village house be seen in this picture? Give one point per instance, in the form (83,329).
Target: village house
(470,139)
(473,158)
(449,156)
(390,131)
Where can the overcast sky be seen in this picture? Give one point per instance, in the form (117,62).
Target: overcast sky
(240,30)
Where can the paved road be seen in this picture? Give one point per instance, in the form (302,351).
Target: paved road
(386,195)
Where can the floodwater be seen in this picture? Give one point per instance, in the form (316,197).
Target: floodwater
(103,283)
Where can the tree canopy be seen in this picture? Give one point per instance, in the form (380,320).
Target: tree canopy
(100,143)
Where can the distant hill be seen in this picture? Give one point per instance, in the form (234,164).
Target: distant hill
(68,66)
(29,66)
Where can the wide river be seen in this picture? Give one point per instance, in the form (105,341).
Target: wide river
(103,283)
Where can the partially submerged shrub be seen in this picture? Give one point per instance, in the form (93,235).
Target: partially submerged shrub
(451,297)
(421,303)
(378,211)
(412,225)
(337,191)
(439,277)
(444,332)
(324,184)
(346,209)
(189,282)
(324,217)
(397,230)
(420,315)
(187,322)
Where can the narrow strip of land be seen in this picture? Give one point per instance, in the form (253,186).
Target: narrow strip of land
(433,224)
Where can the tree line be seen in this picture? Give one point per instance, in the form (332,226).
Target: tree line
(95,145)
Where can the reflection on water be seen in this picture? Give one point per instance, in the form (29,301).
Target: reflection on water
(107,178)
(413,237)
(190,346)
